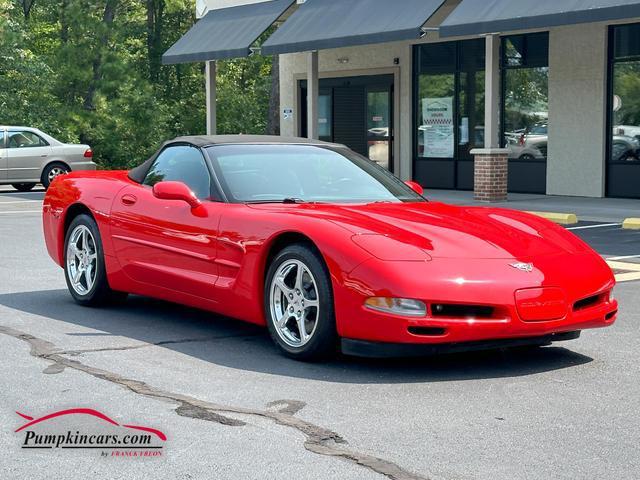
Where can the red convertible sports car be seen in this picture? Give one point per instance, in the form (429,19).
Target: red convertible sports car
(325,248)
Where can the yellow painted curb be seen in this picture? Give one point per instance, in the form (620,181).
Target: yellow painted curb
(631,224)
(561,218)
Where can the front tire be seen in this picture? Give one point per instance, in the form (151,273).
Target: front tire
(23,187)
(84,268)
(298,303)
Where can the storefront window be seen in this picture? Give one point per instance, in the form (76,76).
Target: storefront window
(525,69)
(625,104)
(435,111)
(450,94)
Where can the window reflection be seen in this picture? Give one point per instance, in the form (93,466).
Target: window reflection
(378,126)
(526,96)
(625,115)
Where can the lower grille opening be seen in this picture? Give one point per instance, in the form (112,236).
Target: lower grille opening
(427,331)
(588,302)
(610,315)
(461,311)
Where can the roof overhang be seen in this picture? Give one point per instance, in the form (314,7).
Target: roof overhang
(322,24)
(226,32)
(476,17)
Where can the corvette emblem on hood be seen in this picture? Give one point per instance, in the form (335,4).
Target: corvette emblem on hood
(525,267)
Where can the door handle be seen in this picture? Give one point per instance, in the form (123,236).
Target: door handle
(128,199)
(44,155)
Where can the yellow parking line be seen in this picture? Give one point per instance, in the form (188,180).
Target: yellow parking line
(634,267)
(627,277)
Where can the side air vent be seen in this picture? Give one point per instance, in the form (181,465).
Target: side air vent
(591,301)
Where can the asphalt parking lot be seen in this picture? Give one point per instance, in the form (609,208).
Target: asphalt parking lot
(232,407)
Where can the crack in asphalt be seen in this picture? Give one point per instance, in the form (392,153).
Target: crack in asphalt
(319,440)
(153,344)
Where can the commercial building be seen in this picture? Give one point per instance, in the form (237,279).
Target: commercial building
(549,89)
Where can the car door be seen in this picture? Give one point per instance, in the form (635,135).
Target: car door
(27,155)
(3,157)
(163,242)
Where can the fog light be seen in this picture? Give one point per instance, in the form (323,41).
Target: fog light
(397,306)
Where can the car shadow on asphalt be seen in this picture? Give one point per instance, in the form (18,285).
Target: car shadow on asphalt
(231,343)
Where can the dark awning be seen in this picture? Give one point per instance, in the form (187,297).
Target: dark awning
(226,32)
(320,24)
(473,17)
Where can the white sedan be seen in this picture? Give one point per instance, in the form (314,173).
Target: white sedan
(29,156)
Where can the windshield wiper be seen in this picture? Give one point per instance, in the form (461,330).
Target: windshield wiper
(280,200)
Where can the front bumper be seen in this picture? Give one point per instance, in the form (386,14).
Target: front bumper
(363,348)
(491,283)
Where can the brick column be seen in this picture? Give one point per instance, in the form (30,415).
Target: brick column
(490,174)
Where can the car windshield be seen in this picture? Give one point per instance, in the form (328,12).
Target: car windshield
(304,173)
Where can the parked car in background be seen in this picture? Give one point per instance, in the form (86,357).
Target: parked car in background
(627,130)
(528,144)
(29,156)
(531,144)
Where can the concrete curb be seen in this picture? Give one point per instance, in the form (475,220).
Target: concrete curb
(561,218)
(631,224)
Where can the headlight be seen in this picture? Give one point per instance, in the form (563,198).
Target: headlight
(397,306)
(612,294)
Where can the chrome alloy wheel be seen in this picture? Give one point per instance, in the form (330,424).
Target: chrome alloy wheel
(55,171)
(294,303)
(82,260)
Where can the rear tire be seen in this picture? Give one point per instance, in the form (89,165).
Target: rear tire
(52,171)
(23,187)
(84,268)
(298,304)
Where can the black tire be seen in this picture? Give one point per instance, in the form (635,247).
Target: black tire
(23,187)
(47,172)
(322,343)
(100,292)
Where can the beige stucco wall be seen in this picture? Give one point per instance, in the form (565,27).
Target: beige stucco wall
(577,110)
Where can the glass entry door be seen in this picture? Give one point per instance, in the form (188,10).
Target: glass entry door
(356,112)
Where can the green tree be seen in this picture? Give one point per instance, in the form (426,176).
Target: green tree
(91,71)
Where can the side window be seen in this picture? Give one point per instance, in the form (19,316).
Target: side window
(181,164)
(25,139)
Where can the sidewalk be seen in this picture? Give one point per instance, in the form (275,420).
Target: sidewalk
(613,210)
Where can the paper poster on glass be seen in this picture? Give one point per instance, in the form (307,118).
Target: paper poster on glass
(437,127)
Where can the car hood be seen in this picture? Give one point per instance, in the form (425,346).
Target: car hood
(446,231)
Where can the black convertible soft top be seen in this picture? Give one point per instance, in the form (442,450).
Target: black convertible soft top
(138,173)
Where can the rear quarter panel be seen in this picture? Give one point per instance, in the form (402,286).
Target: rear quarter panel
(93,190)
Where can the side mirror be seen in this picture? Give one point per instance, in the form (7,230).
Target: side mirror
(415,187)
(176,191)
